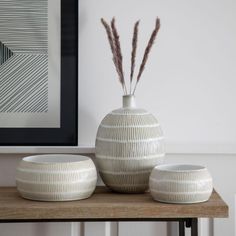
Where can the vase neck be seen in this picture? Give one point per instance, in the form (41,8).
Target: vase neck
(129,101)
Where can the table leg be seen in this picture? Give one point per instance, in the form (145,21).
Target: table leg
(192,223)
(194,227)
(181,228)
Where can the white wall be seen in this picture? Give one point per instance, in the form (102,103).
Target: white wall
(189,81)
(188,84)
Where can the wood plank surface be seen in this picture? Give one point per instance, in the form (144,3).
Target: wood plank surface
(105,204)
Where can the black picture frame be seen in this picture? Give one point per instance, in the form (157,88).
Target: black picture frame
(66,135)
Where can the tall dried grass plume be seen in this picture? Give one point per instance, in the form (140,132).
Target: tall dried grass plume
(114,41)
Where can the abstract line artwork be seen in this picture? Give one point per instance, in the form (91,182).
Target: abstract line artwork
(23,56)
(38,73)
(5,53)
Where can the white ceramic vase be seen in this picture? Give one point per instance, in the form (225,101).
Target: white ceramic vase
(56,177)
(180,183)
(129,144)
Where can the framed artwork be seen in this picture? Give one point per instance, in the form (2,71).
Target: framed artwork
(38,72)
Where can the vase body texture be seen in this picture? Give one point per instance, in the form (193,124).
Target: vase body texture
(129,145)
(56,177)
(181,184)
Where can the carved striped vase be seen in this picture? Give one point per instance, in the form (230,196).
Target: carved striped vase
(129,145)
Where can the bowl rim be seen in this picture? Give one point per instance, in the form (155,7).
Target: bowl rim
(54,159)
(180,168)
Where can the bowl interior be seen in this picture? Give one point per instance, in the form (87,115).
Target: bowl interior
(180,168)
(55,158)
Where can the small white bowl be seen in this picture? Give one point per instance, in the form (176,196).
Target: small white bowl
(180,183)
(56,177)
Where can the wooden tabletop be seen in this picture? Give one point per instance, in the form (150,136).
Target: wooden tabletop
(104,204)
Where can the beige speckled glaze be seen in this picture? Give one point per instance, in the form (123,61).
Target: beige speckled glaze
(180,183)
(56,177)
(129,144)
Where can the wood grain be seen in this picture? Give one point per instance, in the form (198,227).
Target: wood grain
(104,204)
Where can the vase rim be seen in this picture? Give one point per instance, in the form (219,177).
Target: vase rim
(129,95)
(129,101)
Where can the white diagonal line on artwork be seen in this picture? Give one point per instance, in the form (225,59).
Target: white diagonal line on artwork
(30,102)
(13,81)
(19,76)
(26,87)
(40,90)
(13,62)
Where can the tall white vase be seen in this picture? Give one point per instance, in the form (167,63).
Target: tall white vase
(129,144)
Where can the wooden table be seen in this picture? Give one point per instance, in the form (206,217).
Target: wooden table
(105,205)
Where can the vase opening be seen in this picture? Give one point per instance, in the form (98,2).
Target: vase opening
(129,101)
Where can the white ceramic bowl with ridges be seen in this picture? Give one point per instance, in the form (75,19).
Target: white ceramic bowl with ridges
(56,177)
(180,183)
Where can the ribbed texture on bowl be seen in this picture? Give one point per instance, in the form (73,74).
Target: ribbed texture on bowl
(56,181)
(129,144)
(180,186)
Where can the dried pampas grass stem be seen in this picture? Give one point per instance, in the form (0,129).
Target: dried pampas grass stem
(117,50)
(147,51)
(133,53)
(109,34)
(117,61)
(114,41)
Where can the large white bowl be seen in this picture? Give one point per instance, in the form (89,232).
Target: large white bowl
(180,183)
(56,177)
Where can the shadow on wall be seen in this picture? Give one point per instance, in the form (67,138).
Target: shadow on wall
(90,119)
(82,18)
